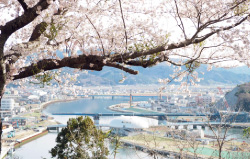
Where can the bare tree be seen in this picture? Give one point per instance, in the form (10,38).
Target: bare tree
(220,130)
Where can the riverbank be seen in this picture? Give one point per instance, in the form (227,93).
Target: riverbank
(30,138)
(156,141)
(10,145)
(156,151)
(46,104)
(24,136)
(119,108)
(125,108)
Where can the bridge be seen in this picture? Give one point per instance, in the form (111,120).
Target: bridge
(55,127)
(161,116)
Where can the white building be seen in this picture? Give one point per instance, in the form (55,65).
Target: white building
(7,104)
(207,99)
(7,107)
(130,125)
(133,122)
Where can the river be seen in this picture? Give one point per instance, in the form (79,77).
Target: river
(40,147)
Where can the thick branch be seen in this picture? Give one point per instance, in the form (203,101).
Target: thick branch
(21,21)
(23,4)
(90,62)
(181,25)
(37,32)
(120,58)
(147,62)
(117,65)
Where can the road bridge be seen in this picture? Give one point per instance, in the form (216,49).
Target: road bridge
(161,116)
(55,127)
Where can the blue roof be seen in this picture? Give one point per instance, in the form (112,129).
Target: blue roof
(19,118)
(59,125)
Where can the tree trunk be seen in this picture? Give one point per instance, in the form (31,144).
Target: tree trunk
(2,88)
(220,150)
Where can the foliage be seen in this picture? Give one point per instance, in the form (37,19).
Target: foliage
(243,95)
(241,8)
(115,140)
(44,78)
(246,132)
(192,66)
(80,139)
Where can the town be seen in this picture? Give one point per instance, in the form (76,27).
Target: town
(23,117)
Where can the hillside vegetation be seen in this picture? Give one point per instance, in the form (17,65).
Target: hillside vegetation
(243,95)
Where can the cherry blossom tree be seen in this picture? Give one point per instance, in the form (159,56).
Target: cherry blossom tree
(120,34)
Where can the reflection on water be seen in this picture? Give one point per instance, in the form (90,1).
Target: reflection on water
(40,147)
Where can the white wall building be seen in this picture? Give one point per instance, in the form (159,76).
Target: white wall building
(133,122)
(7,107)
(207,99)
(7,104)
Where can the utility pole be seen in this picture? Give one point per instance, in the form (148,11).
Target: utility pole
(160,92)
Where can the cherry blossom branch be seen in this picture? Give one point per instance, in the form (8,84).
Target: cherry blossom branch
(89,62)
(148,62)
(219,19)
(19,22)
(23,20)
(119,58)
(38,31)
(124,25)
(179,17)
(97,64)
(23,4)
(119,66)
(97,34)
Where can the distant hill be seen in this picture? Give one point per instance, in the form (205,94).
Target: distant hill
(231,99)
(243,95)
(112,76)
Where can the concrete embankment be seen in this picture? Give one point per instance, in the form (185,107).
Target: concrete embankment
(30,138)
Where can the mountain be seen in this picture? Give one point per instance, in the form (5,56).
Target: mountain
(112,76)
